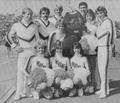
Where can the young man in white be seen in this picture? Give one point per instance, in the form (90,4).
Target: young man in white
(26,33)
(105,38)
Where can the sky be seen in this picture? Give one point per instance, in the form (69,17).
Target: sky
(15,6)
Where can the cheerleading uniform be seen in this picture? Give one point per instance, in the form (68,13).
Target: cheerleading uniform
(52,41)
(59,63)
(80,68)
(54,19)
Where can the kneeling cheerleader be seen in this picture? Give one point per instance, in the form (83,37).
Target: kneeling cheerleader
(80,69)
(60,65)
(41,77)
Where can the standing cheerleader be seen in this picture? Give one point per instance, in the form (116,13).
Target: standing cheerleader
(58,34)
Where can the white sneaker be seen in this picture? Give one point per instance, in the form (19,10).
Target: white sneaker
(17,97)
(108,92)
(23,95)
(102,96)
(98,92)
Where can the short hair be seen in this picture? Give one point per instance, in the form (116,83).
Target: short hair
(83,3)
(101,9)
(25,10)
(91,12)
(59,7)
(44,9)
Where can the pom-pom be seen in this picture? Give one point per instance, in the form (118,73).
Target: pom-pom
(81,74)
(71,73)
(85,45)
(37,76)
(66,84)
(62,74)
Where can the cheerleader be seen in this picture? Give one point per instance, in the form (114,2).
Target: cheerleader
(58,34)
(58,15)
(80,69)
(40,75)
(60,65)
(90,49)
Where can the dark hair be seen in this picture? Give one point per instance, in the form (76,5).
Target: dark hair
(44,9)
(77,45)
(83,3)
(91,12)
(101,9)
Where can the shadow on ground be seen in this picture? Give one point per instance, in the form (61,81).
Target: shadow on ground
(115,87)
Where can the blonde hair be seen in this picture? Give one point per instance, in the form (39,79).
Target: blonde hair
(25,10)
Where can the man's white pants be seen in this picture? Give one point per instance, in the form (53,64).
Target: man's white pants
(104,54)
(21,77)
